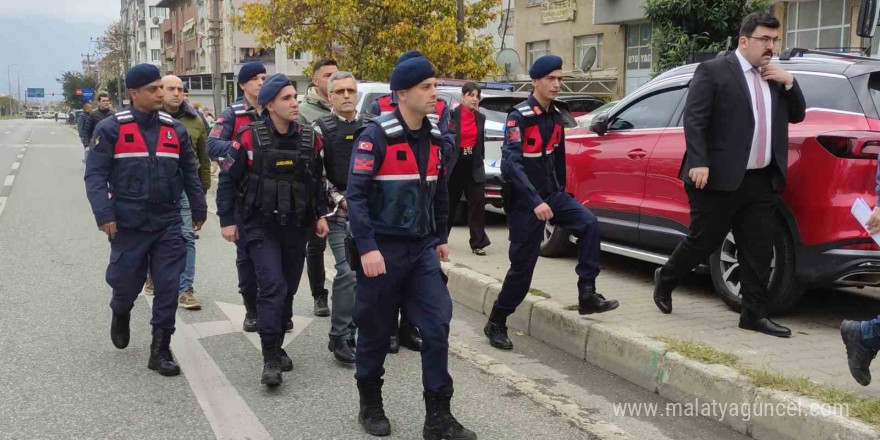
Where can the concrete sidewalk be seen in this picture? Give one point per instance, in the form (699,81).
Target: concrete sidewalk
(814,351)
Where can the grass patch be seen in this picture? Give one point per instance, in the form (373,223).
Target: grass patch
(539,292)
(572,307)
(865,409)
(3,118)
(462,265)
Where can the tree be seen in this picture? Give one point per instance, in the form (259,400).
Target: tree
(7,104)
(367,36)
(682,27)
(114,63)
(70,81)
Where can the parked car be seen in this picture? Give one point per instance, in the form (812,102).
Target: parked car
(31,115)
(625,169)
(585,120)
(494,104)
(580,105)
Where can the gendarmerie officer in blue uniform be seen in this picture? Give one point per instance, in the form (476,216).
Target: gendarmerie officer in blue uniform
(140,163)
(271,183)
(533,167)
(398,205)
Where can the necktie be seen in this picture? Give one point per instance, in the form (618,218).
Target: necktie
(762,119)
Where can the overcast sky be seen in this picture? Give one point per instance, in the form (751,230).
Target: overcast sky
(42,38)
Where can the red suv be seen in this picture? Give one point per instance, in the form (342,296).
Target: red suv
(625,169)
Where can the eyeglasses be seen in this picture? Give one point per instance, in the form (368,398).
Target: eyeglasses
(767,40)
(342,92)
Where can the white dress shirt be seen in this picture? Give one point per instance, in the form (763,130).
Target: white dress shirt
(768,111)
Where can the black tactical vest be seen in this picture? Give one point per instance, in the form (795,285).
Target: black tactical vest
(339,138)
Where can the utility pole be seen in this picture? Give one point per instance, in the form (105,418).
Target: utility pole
(215,34)
(460,33)
(9,80)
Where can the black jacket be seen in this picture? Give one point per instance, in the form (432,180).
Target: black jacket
(719,125)
(479,148)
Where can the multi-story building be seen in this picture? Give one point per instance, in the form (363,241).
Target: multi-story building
(566,28)
(140,23)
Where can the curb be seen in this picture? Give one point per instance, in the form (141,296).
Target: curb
(647,363)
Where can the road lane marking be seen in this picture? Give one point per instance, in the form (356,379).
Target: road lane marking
(227,412)
(15,165)
(21,156)
(236,312)
(9,180)
(2,204)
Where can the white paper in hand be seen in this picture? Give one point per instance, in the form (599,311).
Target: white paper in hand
(862,212)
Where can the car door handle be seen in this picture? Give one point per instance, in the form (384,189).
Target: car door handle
(638,153)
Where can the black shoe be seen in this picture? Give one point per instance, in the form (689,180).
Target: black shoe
(161,358)
(479,251)
(120,333)
(286,362)
(766,326)
(321,308)
(590,301)
(342,350)
(858,355)
(497,334)
(439,421)
(372,414)
(196,235)
(409,337)
(250,318)
(394,345)
(271,363)
(662,294)
(289,326)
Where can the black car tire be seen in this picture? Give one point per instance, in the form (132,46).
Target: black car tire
(555,242)
(785,289)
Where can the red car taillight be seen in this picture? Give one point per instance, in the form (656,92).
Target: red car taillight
(851,144)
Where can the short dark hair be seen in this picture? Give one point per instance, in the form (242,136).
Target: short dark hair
(755,19)
(323,62)
(470,86)
(103,95)
(185,89)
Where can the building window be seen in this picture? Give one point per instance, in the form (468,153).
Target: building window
(155,54)
(818,24)
(249,54)
(157,12)
(294,54)
(154,33)
(535,3)
(190,60)
(537,49)
(638,46)
(582,44)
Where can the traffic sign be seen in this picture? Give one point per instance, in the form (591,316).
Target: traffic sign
(79,92)
(88,94)
(36,93)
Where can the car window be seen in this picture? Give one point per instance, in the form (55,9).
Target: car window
(584,105)
(501,104)
(368,100)
(828,92)
(652,111)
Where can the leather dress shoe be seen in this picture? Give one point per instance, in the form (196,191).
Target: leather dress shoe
(662,295)
(119,329)
(766,326)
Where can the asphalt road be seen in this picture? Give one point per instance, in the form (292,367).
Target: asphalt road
(60,377)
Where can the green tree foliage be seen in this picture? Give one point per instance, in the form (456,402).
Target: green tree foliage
(70,81)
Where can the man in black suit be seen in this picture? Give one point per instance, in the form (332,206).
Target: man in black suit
(736,129)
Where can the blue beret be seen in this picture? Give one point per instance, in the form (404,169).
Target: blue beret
(141,75)
(408,55)
(544,65)
(410,73)
(271,87)
(250,70)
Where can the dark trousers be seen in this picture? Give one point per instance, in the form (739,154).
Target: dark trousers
(315,262)
(526,232)
(749,212)
(247,276)
(132,252)
(461,181)
(278,260)
(413,281)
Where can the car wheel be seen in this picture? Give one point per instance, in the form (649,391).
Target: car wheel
(555,241)
(785,289)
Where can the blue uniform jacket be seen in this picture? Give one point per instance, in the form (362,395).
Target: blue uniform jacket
(223,134)
(531,179)
(442,124)
(383,194)
(142,191)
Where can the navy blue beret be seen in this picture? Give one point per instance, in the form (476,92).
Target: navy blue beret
(141,75)
(271,87)
(408,55)
(544,65)
(250,70)
(410,73)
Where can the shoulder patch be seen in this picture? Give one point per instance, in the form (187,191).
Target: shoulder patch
(511,123)
(365,146)
(363,164)
(124,116)
(513,134)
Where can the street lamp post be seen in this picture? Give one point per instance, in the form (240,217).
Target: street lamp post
(9,81)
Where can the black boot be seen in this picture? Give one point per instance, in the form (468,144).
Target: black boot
(250,318)
(271,362)
(286,362)
(409,337)
(496,331)
(120,332)
(372,414)
(394,344)
(342,350)
(590,301)
(858,355)
(321,308)
(439,422)
(161,358)
(663,291)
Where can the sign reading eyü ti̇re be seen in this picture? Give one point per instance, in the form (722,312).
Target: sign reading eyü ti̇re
(555,11)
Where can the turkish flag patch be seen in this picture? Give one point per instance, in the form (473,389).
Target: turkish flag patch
(363,164)
(511,123)
(365,146)
(537,110)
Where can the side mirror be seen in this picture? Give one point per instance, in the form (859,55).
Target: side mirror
(867,22)
(599,125)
